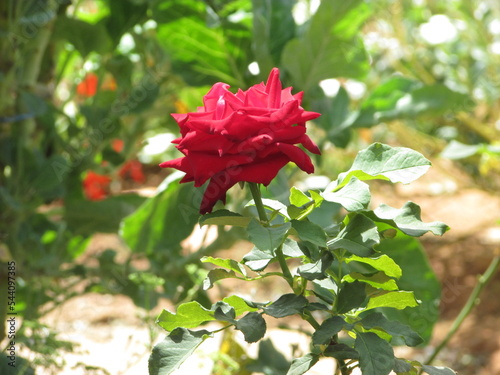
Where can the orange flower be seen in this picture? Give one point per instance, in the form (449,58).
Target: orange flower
(117,145)
(96,186)
(88,87)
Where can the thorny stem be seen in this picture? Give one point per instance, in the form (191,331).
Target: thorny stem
(473,300)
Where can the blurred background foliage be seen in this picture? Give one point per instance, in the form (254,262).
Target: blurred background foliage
(86,89)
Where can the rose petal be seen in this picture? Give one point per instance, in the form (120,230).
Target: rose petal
(298,156)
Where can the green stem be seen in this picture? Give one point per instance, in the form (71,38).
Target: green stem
(473,300)
(257,198)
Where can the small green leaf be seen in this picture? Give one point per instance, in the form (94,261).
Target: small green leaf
(408,220)
(351,296)
(169,354)
(224,217)
(226,263)
(298,198)
(354,196)
(438,370)
(376,356)
(330,327)
(253,326)
(267,238)
(316,270)
(287,304)
(402,366)
(358,237)
(300,365)
(399,300)
(341,351)
(216,275)
(381,263)
(189,315)
(310,232)
(224,312)
(239,304)
(394,328)
(378,280)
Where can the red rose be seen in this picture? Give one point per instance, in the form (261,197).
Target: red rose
(247,136)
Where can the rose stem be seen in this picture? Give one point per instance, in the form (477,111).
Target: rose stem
(257,198)
(473,300)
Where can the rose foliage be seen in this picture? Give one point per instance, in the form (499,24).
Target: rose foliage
(248,136)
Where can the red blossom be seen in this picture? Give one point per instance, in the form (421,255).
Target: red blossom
(247,136)
(133,168)
(96,186)
(88,87)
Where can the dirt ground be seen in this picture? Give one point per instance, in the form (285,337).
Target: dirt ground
(114,335)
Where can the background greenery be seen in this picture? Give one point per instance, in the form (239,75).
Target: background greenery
(422,74)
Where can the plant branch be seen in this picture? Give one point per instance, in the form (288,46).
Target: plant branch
(473,300)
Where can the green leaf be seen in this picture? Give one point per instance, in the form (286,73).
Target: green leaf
(257,259)
(224,217)
(378,280)
(358,236)
(330,327)
(163,221)
(351,296)
(84,36)
(456,150)
(216,275)
(224,312)
(376,356)
(383,162)
(310,232)
(267,238)
(169,354)
(382,263)
(400,98)
(316,270)
(394,328)
(341,352)
(380,104)
(354,196)
(239,304)
(189,315)
(291,249)
(397,299)
(287,304)
(202,53)
(273,27)
(230,264)
(408,220)
(402,366)
(300,365)
(253,326)
(298,198)
(438,370)
(418,277)
(330,46)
